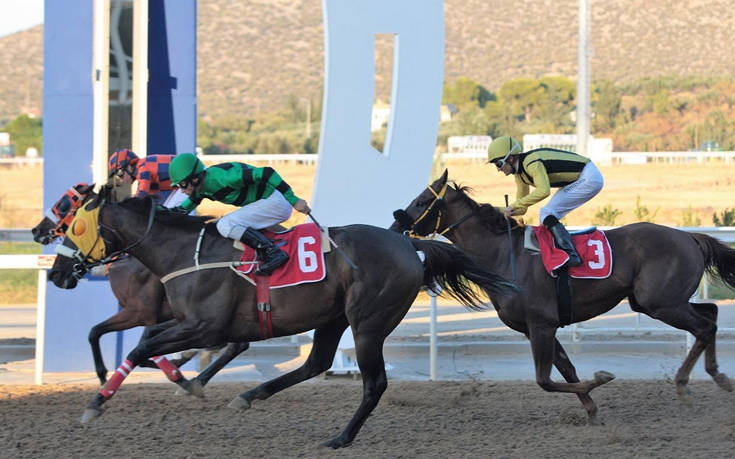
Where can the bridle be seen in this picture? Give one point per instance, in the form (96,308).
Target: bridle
(85,262)
(434,209)
(62,220)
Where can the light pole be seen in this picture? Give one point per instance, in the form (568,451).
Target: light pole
(583,80)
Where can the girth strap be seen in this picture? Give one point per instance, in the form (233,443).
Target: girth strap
(263,294)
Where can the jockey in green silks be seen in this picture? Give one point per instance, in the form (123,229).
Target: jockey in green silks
(264,198)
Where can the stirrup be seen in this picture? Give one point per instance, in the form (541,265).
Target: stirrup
(275,260)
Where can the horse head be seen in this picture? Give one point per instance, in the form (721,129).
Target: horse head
(87,243)
(442,207)
(57,219)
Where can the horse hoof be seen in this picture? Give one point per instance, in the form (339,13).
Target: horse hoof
(91,414)
(239,403)
(182,391)
(684,395)
(196,388)
(723,381)
(602,377)
(336,443)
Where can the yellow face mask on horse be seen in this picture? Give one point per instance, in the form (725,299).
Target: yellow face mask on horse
(83,232)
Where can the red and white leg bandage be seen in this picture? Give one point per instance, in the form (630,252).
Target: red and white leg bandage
(172,373)
(113,384)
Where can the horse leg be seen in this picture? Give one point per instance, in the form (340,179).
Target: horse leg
(543,347)
(180,336)
(123,320)
(326,339)
(685,317)
(567,370)
(709,310)
(230,352)
(369,352)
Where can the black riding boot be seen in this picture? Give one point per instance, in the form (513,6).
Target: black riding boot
(563,240)
(271,257)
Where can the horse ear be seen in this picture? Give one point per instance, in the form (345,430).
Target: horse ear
(87,189)
(445,175)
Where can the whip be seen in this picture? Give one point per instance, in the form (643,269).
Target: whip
(342,252)
(510,241)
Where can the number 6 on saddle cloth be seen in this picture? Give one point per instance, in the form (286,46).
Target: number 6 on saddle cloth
(305,246)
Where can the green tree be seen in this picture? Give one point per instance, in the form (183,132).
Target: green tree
(606,100)
(606,216)
(560,94)
(523,96)
(466,92)
(25,131)
(642,213)
(726,218)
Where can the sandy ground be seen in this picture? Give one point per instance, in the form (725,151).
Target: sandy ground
(414,419)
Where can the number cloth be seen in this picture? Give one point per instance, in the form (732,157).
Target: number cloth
(303,244)
(593,248)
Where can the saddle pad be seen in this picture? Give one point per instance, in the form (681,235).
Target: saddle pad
(305,264)
(593,247)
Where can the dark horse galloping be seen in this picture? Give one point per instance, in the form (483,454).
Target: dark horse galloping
(140,294)
(217,306)
(657,268)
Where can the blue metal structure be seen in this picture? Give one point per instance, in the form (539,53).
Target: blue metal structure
(68,145)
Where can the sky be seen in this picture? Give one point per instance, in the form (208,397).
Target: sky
(17,15)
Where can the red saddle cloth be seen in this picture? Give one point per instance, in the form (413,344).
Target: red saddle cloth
(593,248)
(303,244)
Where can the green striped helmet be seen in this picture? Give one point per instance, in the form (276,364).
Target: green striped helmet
(184,166)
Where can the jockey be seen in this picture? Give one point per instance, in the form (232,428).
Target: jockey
(264,200)
(576,176)
(151,172)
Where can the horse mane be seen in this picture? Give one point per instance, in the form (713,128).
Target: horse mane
(487,214)
(166,216)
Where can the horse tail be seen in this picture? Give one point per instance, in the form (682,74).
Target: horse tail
(719,259)
(447,268)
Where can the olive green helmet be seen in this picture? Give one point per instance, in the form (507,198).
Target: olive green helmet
(501,148)
(184,166)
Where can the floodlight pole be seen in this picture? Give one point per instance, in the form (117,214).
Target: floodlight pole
(583,80)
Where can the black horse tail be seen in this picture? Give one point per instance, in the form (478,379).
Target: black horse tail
(719,259)
(449,269)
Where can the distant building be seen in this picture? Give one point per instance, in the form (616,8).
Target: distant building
(468,144)
(381,114)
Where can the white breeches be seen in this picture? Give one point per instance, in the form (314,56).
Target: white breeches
(257,215)
(175,198)
(575,194)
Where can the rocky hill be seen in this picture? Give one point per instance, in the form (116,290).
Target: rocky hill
(253,54)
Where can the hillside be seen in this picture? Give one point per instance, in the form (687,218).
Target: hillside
(253,54)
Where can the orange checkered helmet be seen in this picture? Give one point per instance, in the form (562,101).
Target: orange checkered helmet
(121,159)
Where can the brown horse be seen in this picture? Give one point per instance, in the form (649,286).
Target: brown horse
(657,268)
(215,306)
(140,294)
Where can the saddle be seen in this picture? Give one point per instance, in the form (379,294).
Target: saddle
(305,246)
(592,246)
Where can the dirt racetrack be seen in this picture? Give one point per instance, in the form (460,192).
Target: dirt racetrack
(478,419)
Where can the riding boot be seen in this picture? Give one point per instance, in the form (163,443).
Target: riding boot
(563,240)
(271,257)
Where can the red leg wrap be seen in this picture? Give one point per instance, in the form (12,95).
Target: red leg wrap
(113,384)
(172,373)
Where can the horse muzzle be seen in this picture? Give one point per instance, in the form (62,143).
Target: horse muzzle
(403,221)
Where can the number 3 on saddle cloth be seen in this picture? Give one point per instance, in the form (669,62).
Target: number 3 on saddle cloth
(592,247)
(305,249)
